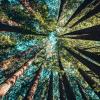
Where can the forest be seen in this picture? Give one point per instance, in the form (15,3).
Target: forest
(49,49)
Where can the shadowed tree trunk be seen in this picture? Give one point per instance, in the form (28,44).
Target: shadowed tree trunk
(91,55)
(7,28)
(88,15)
(32,90)
(91,33)
(61,7)
(94,37)
(84,97)
(80,8)
(4,87)
(67,86)
(89,80)
(9,22)
(50,90)
(32,12)
(61,89)
(19,55)
(26,4)
(93,67)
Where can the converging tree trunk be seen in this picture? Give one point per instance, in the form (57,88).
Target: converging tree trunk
(91,55)
(50,90)
(32,90)
(89,80)
(88,15)
(61,89)
(79,9)
(93,67)
(61,7)
(82,91)
(91,33)
(4,87)
(68,89)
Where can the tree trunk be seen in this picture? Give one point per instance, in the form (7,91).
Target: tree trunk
(61,7)
(50,90)
(7,28)
(4,87)
(91,33)
(89,80)
(80,8)
(88,15)
(91,55)
(61,89)
(33,88)
(93,67)
(68,88)
(82,91)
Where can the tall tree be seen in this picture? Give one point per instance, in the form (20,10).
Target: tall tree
(88,15)
(93,67)
(4,87)
(68,89)
(62,2)
(32,90)
(50,90)
(91,55)
(91,33)
(61,89)
(82,91)
(80,8)
(89,80)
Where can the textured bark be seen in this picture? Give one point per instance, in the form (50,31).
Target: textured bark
(89,80)
(82,91)
(33,88)
(61,7)
(7,28)
(4,87)
(91,55)
(68,89)
(50,90)
(61,89)
(93,67)
(9,22)
(91,33)
(26,4)
(88,15)
(79,9)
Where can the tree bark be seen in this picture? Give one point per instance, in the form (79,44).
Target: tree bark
(79,9)
(4,87)
(89,80)
(82,91)
(91,55)
(91,33)
(88,15)
(61,89)
(68,88)
(93,67)
(50,90)
(33,88)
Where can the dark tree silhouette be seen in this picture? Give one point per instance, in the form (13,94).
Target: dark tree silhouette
(88,15)
(93,67)
(91,33)
(89,80)
(61,89)
(32,90)
(82,91)
(91,55)
(61,7)
(68,89)
(80,8)
(50,90)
